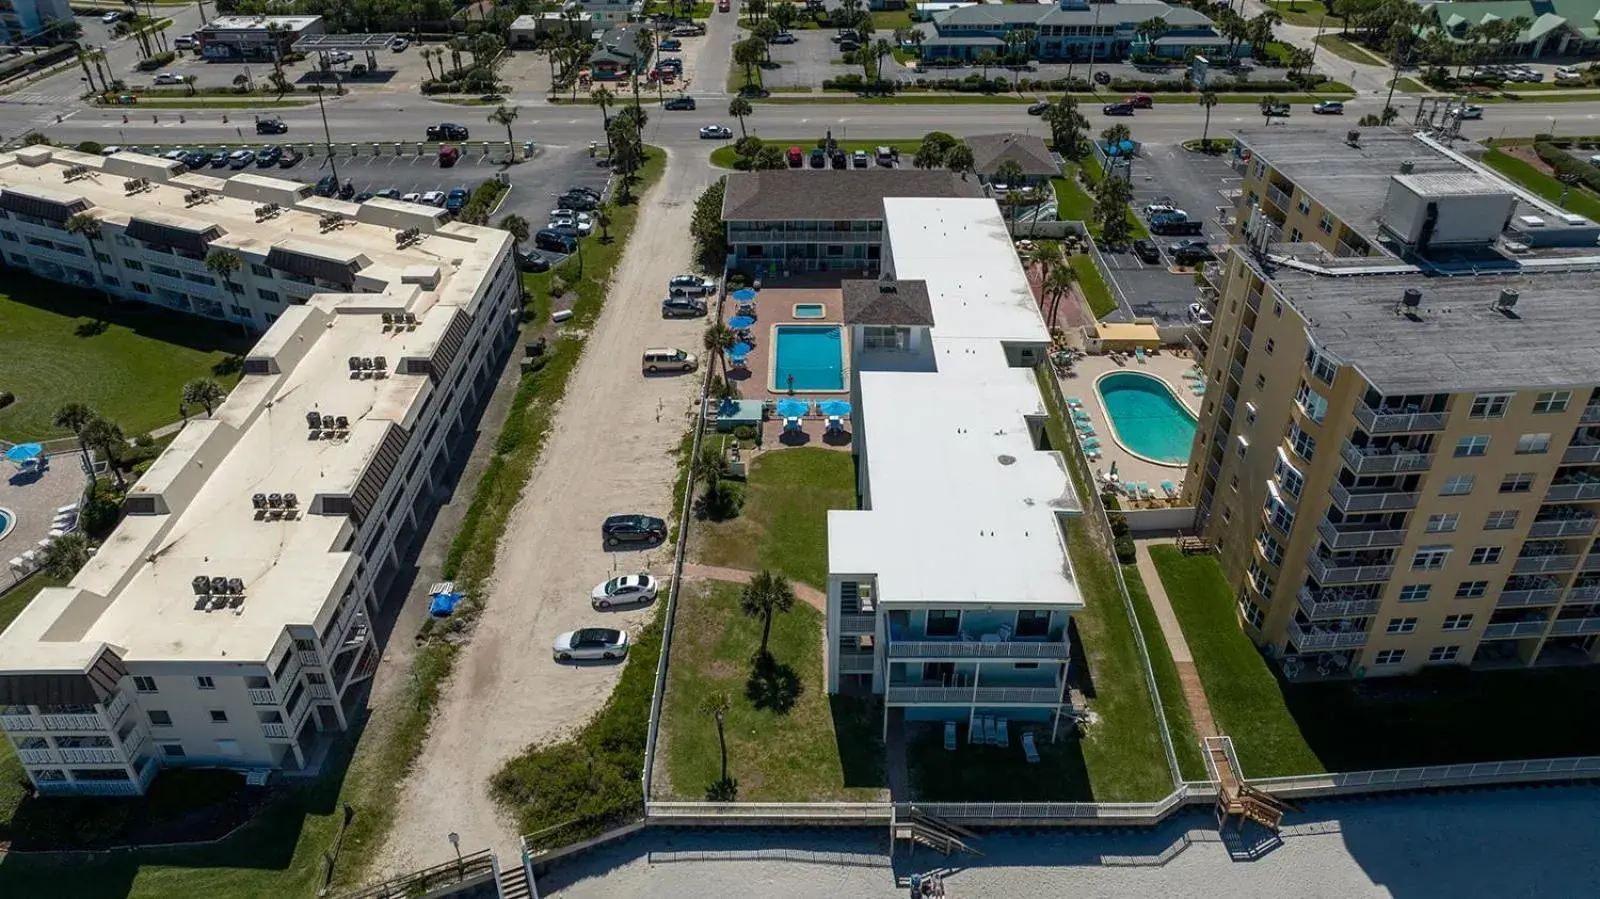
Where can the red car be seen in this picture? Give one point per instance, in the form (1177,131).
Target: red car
(1141,101)
(796,158)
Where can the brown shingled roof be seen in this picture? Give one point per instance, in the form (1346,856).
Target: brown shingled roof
(828,195)
(887,303)
(989,150)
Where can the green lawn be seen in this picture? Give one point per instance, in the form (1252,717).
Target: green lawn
(1525,174)
(889,20)
(60,345)
(1309,13)
(1093,284)
(1243,692)
(1185,741)
(788,740)
(1344,49)
(784,523)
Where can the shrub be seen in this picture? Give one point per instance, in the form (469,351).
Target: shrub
(1564,163)
(744,432)
(101,511)
(90,146)
(1125,550)
(1119,523)
(159,60)
(6,398)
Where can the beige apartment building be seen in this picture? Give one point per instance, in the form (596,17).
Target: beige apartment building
(228,620)
(1399,451)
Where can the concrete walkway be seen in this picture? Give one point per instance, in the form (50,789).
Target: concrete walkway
(806,593)
(1193,692)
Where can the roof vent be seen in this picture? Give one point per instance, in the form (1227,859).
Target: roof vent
(1008,460)
(888,288)
(1407,165)
(1353,138)
(1412,298)
(1508,299)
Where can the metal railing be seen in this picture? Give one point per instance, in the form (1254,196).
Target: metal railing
(1545,563)
(1357,538)
(1578,455)
(1279,198)
(1566,627)
(857,623)
(1335,608)
(961,649)
(1515,629)
(857,663)
(1591,413)
(275,731)
(1336,573)
(94,756)
(1245,336)
(901,695)
(1560,492)
(1383,463)
(1375,421)
(1510,599)
(1433,776)
(1571,527)
(1372,502)
(72,722)
(263,696)
(19,723)
(1583,594)
(1308,640)
(1236,371)
(474,867)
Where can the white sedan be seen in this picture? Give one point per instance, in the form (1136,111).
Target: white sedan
(630,588)
(1199,314)
(571,225)
(716,132)
(433,198)
(411,198)
(592,643)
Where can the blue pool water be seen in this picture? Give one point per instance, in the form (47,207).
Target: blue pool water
(809,310)
(1148,419)
(812,354)
(5,522)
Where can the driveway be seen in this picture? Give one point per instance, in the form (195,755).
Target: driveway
(609,450)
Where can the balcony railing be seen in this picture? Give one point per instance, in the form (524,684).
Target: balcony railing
(1335,608)
(37,756)
(319,691)
(309,657)
(1578,455)
(96,756)
(1213,468)
(1279,198)
(118,705)
(1245,336)
(275,730)
(73,722)
(260,696)
(907,695)
(1567,627)
(1545,563)
(1561,492)
(1342,573)
(857,623)
(1591,562)
(1253,300)
(1371,502)
(1571,527)
(978,649)
(1307,640)
(17,723)
(1228,405)
(1591,413)
(1383,462)
(1515,629)
(779,235)
(856,663)
(1354,538)
(1583,594)
(1510,599)
(1384,422)
(1236,371)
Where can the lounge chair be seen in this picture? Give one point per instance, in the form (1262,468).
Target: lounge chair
(1002,736)
(1138,353)
(1170,490)
(1074,403)
(1080,415)
(1029,748)
(1145,492)
(950,736)
(1093,454)
(791,424)
(68,509)
(975,731)
(988,729)
(19,565)
(1091,443)
(835,425)
(1085,430)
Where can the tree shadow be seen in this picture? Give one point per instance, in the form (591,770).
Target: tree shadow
(723,790)
(93,328)
(773,686)
(856,729)
(232,364)
(145,320)
(1081,676)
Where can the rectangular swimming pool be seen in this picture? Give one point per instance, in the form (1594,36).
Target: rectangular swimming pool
(807,357)
(810,310)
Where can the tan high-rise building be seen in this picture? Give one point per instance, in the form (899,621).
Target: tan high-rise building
(1399,452)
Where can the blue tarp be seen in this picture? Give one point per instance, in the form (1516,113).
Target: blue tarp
(444,603)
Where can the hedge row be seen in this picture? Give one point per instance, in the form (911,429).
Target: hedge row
(1564,163)
(976,84)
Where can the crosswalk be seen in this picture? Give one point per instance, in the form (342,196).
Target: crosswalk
(40,98)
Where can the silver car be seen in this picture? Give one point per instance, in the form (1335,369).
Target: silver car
(629,588)
(592,643)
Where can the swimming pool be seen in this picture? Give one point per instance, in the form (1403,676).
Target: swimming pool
(6,520)
(1147,418)
(807,357)
(810,310)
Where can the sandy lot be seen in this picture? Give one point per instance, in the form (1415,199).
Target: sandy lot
(610,451)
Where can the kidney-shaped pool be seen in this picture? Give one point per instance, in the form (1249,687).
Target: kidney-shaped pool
(1147,418)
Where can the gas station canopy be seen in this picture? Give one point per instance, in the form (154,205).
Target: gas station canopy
(350,43)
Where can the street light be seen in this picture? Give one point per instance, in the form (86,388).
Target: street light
(455,840)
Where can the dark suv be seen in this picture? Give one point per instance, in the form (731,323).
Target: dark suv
(271,126)
(447,131)
(620,529)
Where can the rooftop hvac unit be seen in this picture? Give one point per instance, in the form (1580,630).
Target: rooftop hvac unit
(313,420)
(290,501)
(235,586)
(201,585)
(1410,300)
(219,585)
(1407,166)
(1507,299)
(380,364)
(343,423)
(259,501)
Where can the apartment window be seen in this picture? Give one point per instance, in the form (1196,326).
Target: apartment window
(229,747)
(1489,405)
(1531,444)
(1233,483)
(1326,224)
(1472,446)
(1456,485)
(1311,402)
(140,288)
(890,339)
(1249,413)
(1269,345)
(270,296)
(1033,623)
(1457,622)
(1521,482)
(1277,309)
(1294,235)
(173,750)
(1401,625)
(1430,558)
(218,716)
(205,683)
(1389,657)
(102,258)
(1304,205)
(1261,382)
(1305,446)
(1269,547)
(1261,169)
(1259,580)
(241,311)
(1486,555)
(1443,523)
(1252,613)
(159,718)
(1469,590)
(1503,520)
(1443,653)
(133,264)
(943,623)
(1552,401)
(260,270)
(1415,592)
(9,235)
(144,684)
(1289,478)
(1243,444)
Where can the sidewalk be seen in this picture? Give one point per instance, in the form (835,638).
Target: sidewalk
(1193,692)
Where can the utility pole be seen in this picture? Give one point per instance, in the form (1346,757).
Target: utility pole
(1094,39)
(327,137)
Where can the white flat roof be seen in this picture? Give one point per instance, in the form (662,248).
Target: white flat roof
(962,508)
(247,23)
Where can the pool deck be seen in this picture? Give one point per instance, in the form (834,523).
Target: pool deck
(775,306)
(33,499)
(1169,368)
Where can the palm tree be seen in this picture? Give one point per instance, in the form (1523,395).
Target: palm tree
(87,225)
(880,49)
(75,417)
(70,552)
(1208,99)
(505,115)
(645,43)
(718,340)
(739,108)
(604,99)
(1057,284)
(205,393)
(602,220)
(105,437)
(986,58)
(766,594)
(516,226)
(223,264)
(959,159)
(717,705)
(1116,134)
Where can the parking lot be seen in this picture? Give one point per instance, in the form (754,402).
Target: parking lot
(1194,182)
(810,60)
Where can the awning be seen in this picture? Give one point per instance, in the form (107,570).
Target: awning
(1123,332)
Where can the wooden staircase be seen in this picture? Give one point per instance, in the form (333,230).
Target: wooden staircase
(514,884)
(1237,800)
(921,828)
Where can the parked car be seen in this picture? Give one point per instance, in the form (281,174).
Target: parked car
(412,197)
(1328,107)
(629,588)
(1191,255)
(448,156)
(531,261)
(580,202)
(1169,217)
(1276,111)
(1141,101)
(555,241)
(723,6)
(455,199)
(1469,111)
(241,159)
(797,159)
(271,126)
(669,43)
(268,156)
(887,156)
(839,160)
(389,193)
(171,78)
(784,37)
(195,159)
(659,359)
(592,643)
(1147,251)
(364,196)
(1177,227)
(1038,107)
(183,43)
(1117,109)
(670,64)
(1199,315)
(1151,210)
(689,30)
(1102,77)
(683,307)
(291,158)
(220,157)
(849,44)
(859,159)
(433,198)
(111,18)
(715,132)
(1568,75)
(679,103)
(1179,246)
(398,44)
(819,159)
(447,131)
(619,529)
(690,286)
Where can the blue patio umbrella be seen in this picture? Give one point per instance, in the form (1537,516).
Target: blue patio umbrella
(739,322)
(740,349)
(835,408)
(24,453)
(744,295)
(792,408)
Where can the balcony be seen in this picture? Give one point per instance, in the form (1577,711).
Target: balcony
(1383,462)
(1236,372)
(1331,572)
(275,730)
(856,663)
(1511,599)
(1579,455)
(1534,564)
(1321,606)
(1591,562)
(781,235)
(37,756)
(1568,527)
(1568,627)
(95,756)
(1318,639)
(1515,629)
(1253,300)
(857,623)
(909,695)
(73,722)
(1346,501)
(319,691)
(1375,421)
(1228,405)
(1583,594)
(1337,537)
(1213,468)
(1245,336)
(978,649)
(259,696)
(19,723)
(1279,198)
(310,657)
(1591,413)
(1565,492)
